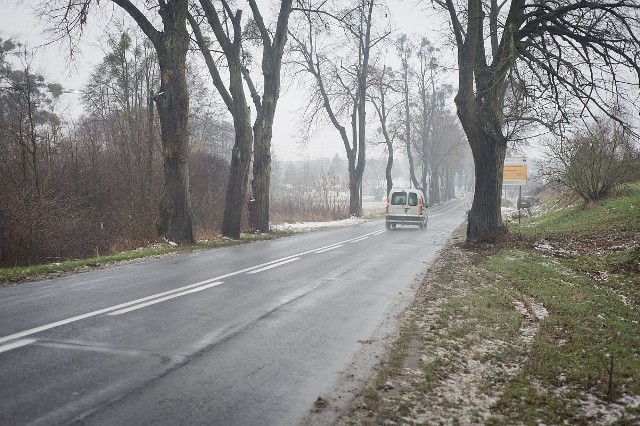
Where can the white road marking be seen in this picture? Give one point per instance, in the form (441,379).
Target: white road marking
(16,344)
(359,239)
(94,313)
(329,248)
(49,326)
(162,299)
(255,271)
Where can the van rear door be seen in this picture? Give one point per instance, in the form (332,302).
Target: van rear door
(398,203)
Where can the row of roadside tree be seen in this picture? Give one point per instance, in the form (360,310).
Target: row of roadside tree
(541,64)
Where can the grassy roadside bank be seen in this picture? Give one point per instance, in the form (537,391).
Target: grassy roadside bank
(542,328)
(22,273)
(371,211)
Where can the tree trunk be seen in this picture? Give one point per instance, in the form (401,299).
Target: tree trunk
(259,207)
(407,118)
(423,180)
(363,82)
(263,132)
(434,191)
(263,127)
(388,169)
(240,159)
(175,220)
(237,185)
(355,192)
(449,186)
(407,142)
(485,218)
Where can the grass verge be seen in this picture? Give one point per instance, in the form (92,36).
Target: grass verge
(18,274)
(542,328)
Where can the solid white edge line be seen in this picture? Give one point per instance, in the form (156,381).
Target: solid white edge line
(94,313)
(16,344)
(162,299)
(49,326)
(274,265)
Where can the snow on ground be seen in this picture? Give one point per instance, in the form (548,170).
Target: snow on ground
(311,226)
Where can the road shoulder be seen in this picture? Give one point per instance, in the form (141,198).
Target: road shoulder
(346,401)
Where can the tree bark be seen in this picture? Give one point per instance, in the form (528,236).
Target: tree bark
(355,191)
(388,170)
(175,221)
(241,155)
(263,126)
(485,220)
(355,186)
(479,106)
(236,102)
(434,190)
(238,174)
(382,112)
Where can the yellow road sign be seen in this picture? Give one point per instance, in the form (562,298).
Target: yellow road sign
(515,171)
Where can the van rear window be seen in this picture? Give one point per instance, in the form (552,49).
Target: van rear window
(413,199)
(398,198)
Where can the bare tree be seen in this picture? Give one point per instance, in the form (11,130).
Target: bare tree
(566,52)
(384,87)
(230,38)
(341,82)
(272,52)
(172,101)
(118,94)
(236,102)
(405,50)
(424,100)
(447,154)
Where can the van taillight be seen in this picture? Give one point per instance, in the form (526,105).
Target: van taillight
(421,205)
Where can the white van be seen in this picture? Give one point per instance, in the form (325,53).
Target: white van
(406,207)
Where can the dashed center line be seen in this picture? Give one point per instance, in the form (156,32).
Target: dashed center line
(274,265)
(329,248)
(162,299)
(359,239)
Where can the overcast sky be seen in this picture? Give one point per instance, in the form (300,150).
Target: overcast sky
(17,21)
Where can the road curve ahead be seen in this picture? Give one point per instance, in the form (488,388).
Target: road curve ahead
(245,335)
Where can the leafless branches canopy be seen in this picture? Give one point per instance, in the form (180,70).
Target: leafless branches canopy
(340,68)
(577,57)
(231,35)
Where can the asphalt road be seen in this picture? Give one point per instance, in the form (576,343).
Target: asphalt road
(245,335)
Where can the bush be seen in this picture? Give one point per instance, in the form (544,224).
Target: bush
(593,162)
